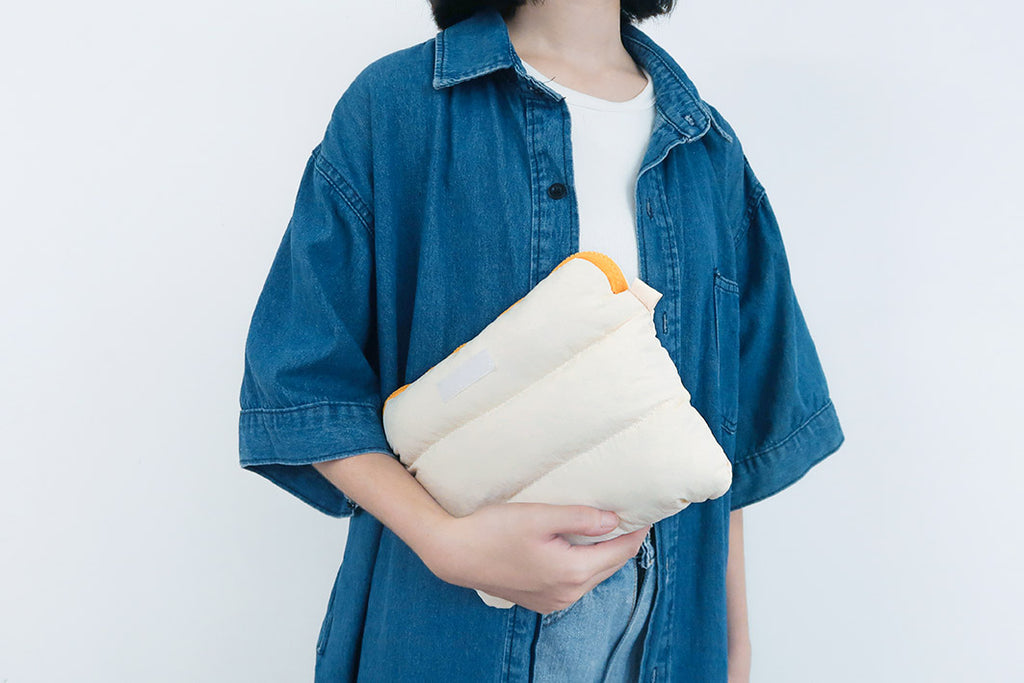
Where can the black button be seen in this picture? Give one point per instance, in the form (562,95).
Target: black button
(557,190)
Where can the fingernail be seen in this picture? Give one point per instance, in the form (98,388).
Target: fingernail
(609,519)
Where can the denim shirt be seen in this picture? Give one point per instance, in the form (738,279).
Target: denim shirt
(441,192)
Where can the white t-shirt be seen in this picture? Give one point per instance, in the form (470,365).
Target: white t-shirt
(609,140)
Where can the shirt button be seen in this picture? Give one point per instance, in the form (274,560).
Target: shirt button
(557,190)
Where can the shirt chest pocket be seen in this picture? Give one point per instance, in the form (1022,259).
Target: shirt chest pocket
(727,346)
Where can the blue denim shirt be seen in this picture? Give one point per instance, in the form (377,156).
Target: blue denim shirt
(435,199)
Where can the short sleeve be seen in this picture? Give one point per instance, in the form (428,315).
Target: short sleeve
(310,390)
(786,420)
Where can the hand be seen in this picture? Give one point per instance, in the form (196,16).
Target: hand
(514,551)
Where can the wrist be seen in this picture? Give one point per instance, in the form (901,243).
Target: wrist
(431,539)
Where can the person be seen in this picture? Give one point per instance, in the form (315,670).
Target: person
(453,175)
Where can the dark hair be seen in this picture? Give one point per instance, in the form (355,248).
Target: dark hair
(448,12)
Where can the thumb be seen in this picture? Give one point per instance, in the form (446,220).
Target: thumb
(582,519)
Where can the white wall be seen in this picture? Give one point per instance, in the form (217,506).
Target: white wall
(150,157)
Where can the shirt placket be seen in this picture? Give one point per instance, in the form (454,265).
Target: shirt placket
(555,222)
(555,217)
(660,266)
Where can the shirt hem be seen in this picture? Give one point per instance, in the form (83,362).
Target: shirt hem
(282,444)
(781,465)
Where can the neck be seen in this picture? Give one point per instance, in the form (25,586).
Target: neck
(570,31)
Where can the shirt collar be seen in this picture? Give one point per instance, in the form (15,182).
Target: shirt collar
(480,44)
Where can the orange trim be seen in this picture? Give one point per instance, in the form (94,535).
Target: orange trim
(394,393)
(608,266)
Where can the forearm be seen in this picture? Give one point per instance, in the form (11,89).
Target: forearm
(385,488)
(736,602)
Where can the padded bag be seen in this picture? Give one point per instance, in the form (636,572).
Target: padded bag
(567,397)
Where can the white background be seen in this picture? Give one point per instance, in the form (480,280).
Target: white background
(149,158)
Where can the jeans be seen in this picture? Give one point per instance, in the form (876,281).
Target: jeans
(599,638)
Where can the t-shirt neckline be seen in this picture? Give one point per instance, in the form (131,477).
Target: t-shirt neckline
(642,100)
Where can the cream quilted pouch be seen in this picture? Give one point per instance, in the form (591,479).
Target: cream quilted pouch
(567,397)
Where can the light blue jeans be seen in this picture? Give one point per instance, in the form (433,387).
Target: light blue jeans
(599,638)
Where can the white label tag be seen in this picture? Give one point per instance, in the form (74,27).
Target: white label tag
(476,367)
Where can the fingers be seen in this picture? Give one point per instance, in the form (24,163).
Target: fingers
(582,520)
(606,557)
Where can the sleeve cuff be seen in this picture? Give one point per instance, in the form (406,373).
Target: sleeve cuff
(282,443)
(778,465)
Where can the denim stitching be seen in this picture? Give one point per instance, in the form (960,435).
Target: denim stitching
(772,446)
(774,490)
(719,127)
(304,406)
(440,55)
(334,455)
(535,222)
(729,288)
(752,203)
(681,83)
(725,284)
(671,234)
(334,179)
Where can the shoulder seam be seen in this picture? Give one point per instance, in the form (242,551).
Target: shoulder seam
(344,190)
(753,203)
(714,121)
